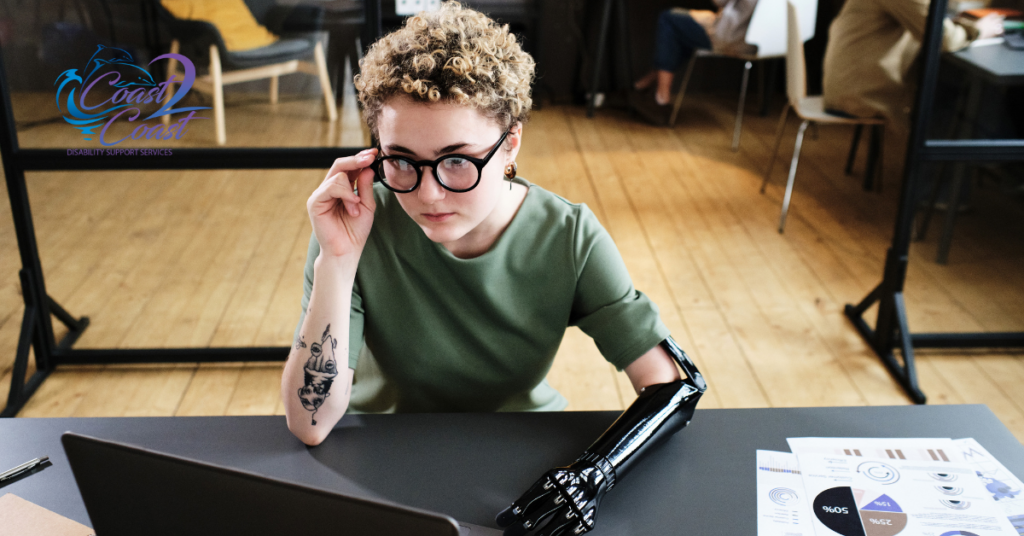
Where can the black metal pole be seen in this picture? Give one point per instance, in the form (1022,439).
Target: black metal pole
(17,192)
(892,329)
(602,41)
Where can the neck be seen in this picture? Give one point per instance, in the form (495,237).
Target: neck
(479,240)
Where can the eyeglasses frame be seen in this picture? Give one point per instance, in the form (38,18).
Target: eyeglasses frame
(480,163)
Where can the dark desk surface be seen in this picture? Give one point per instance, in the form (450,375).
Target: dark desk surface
(471,466)
(996,63)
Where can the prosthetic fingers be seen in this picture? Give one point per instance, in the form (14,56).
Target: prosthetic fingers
(564,501)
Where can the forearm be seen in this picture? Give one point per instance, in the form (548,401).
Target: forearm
(316,382)
(659,411)
(568,497)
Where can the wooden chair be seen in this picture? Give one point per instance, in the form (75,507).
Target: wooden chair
(765,32)
(272,61)
(810,109)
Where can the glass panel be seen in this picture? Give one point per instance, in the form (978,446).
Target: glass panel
(83,75)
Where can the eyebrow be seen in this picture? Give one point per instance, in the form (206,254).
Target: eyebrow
(395,148)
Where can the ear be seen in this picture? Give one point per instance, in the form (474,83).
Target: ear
(327,394)
(515,141)
(300,392)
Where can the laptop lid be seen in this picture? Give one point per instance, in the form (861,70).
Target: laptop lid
(130,490)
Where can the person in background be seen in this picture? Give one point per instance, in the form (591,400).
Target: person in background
(679,33)
(869,68)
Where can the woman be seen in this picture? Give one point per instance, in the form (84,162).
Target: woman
(680,32)
(460,277)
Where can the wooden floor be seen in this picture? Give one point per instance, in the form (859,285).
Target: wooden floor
(170,259)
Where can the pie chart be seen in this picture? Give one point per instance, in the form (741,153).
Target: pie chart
(856,512)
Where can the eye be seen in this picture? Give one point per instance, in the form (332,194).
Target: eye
(398,164)
(456,163)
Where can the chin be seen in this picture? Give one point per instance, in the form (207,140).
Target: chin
(443,233)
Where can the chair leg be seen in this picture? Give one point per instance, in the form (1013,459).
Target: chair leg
(218,95)
(792,175)
(172,66)
(778,138)
(739,111)
(273,89)
(682,91)
(961,179)
(325,82)
(924,221)
(873,149)
(879,166)
(854,145)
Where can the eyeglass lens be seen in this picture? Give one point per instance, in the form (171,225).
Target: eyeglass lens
(456,173)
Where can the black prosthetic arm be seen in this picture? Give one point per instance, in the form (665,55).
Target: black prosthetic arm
(565,500)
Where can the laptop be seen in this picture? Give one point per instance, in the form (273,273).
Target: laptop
(130,491)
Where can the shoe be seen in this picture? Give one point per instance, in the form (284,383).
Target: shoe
(643,103)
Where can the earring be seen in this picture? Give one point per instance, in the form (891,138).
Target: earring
(510,173)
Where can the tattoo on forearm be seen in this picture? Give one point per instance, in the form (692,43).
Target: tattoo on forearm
(320,371)
(299,343)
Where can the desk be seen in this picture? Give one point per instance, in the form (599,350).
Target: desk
(988,61)
(995,62)
(471,466)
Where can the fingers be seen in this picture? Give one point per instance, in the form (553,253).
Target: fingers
(543,509)
(365,183)
(325,198)
(539,491)
(563,523)
(356,162)
(340,182)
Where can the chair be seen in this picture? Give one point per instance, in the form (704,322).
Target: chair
(764,31)
(810,109)
(293,23)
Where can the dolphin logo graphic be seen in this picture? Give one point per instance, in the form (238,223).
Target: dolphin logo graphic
(118,58)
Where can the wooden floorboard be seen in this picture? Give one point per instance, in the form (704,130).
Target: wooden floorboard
(215,258)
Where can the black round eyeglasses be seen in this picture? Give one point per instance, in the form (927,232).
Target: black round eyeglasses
(454,172)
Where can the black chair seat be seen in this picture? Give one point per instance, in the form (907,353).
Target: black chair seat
(282,50)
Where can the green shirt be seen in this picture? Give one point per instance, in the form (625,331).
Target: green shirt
(448,334)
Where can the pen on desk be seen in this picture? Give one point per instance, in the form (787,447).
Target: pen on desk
(23,468)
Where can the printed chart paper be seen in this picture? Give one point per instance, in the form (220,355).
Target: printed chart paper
(941,449)
(860,496)
(781,502)
(1005,488)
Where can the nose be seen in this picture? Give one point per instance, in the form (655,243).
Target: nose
(430,190)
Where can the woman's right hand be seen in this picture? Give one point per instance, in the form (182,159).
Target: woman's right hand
(990,25)
(342,218)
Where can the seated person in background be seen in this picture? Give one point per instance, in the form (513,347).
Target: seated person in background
(679,33)
(870,58)
(448,285)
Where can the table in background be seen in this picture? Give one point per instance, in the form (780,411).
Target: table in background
(987,61)
(471,466)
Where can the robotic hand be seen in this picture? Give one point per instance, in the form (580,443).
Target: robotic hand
(564,501)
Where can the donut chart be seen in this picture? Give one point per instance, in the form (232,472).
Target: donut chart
(856,512)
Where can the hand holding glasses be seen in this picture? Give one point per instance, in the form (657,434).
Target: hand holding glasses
(454,172)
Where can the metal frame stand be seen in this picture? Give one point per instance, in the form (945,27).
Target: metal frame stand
(602,44)
(37,331)
(892,330)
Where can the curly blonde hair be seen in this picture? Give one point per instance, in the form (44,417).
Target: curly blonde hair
(453,55)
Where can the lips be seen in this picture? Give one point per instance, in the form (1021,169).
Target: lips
(438,217)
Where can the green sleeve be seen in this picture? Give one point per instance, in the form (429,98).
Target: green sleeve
(623,321)
(355,326)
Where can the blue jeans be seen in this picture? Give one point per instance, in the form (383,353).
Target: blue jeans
(676,37)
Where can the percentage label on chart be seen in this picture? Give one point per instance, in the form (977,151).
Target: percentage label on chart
(874,521)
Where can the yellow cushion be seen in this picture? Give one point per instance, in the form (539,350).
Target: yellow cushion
(232,18)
